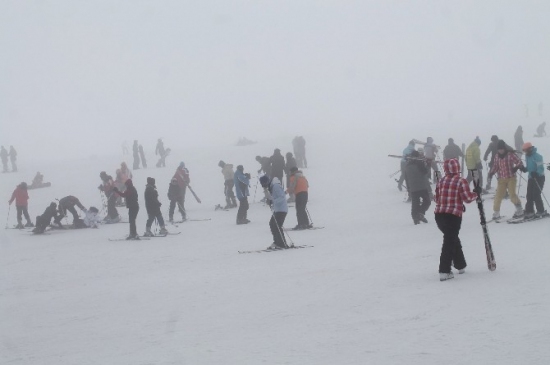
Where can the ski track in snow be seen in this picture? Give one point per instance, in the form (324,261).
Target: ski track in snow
(368,292)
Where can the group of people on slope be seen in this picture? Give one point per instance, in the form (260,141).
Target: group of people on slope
(139,155)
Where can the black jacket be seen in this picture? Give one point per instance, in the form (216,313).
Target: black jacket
(131,196)
(417,176)
(152,204)
(49,213)
(174,191)
(290,163)
(277,165)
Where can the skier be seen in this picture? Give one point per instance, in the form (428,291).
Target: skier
(229,183)
(418,186)
(518,140)
(183,179)
(44,220)
(430,153)
(67,204)
(541,132)
(135,153)
(277,163)
(21,197)
(152,205)
(406,152)
(535,182)
(452,151)
(131,196)
(91,219)
(492,149)
(299,146)
(242,183)
(275,195)
(451,193)
(473,161)
(505,164)
(142,155)
(299,186)
(175,197)
(13,159)
(265,165)
(107,187)
(4,156)
(290,163)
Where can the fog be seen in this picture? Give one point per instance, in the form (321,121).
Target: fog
(80,77)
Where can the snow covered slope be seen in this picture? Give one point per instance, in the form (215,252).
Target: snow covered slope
(367,293)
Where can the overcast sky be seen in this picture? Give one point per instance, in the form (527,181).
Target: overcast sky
(80,75)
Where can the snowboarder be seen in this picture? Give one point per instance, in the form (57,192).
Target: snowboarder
(152,205)
(518,140)
(452,150)
(299,186)
(4,156)
(535,183)
(183,179)
(406,152)
(418,186)
(13,159)
(44,220)
(21,197)
(299,146)
(290,163)
(162,153)
(275,195)
(242,183)
(229,183)
(541,130)
(473,161)
(175,197)
(277,163)
(505,165)
(430,153)
(265,165)
(131,196)
(38,180)
(135,153)
(451,192)
(142,155)
(67,204)
(107,187)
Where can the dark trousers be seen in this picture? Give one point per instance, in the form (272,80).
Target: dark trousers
(451,251)
(112,212)
(276,226)
(63,212)
(143,160)
(152,217)
(301,214)
(534,191)
(136,161)
(132,215)
(420,202)
(179,203)
(228,192)
(22,210)
(243,209)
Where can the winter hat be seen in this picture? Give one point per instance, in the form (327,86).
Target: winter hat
(526,146)
(501,145)
(293,169)
(477,140)
(221,164)
(23,185)
(128,182)
(94,210)
(451,141)
(494,138)
(102,173)
(415,154)
(288,154)
(240,168)
(182,165)
(264,181)
(412,142)
(150,181)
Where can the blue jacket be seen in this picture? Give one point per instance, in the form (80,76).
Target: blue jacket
(278,196)
(241,184)
(534,163)
(407,151)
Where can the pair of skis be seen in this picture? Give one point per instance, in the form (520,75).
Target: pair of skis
(491,263)
(276,249)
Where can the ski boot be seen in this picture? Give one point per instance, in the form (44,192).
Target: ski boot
(163,231)
(519,212)
(541,214)
(496,215)
(19,225)
(133,237)
(445,276)
(148,233)
(29,225)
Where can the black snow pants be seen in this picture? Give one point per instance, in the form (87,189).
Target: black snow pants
(451,251)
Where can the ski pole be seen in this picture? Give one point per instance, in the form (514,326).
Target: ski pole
(281,232)
(519,185)
(8,218)
(309,216)
(395,173)
(538,185)
(256,189)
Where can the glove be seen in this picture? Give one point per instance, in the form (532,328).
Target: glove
(515,169)
(478,190)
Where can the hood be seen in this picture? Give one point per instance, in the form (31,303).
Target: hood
(150,181)
(182,165)
(451,166)
(275,180)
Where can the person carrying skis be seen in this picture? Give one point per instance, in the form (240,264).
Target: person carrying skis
(452,150)
(229,183)
(131,196)
(275,195)
(44,220)
(535,182)
(67,204)
(299,186)
(142,155)
(152,205)
(242,183)
(505,165)
(4,156)
(175,197)
(21,197)
(418,186)
(265,165)
(183,179)
(473,161)
(107,187)
(13,159)
(277,163)
(451,192)
(135,153)
(541,130)
(290,163)
(406,152)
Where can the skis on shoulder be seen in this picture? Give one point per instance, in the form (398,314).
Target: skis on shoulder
(491,263)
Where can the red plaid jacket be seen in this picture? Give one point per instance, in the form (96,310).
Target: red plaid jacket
(503,165)
(452,191)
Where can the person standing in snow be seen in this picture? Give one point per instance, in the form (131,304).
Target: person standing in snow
(13,159)
(21,197)
(541,130)
(276,196)
(492,150)
(277,163)
(473,161)
(182,177)
(135,153)
(406,152)
(452,151)
(451,192)
(131,196)
(242,183)
(229,183)
(152,205)
(418,186)
(505,165)
(299,186)
(175,197)
(535,182)
(107,187)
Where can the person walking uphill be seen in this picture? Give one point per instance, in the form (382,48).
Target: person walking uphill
(21,197)
(535,182)
(451,192)
(505,165)
(152,205)
(299,186)
(418,186)
(276,196)
(242,182)
(131,196)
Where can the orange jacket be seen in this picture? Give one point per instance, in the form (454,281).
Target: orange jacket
(297,183)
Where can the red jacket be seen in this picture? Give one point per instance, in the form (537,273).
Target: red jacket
(21,197)
(452,191)
(182,176)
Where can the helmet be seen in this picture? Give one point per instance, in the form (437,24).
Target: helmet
(526,146)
